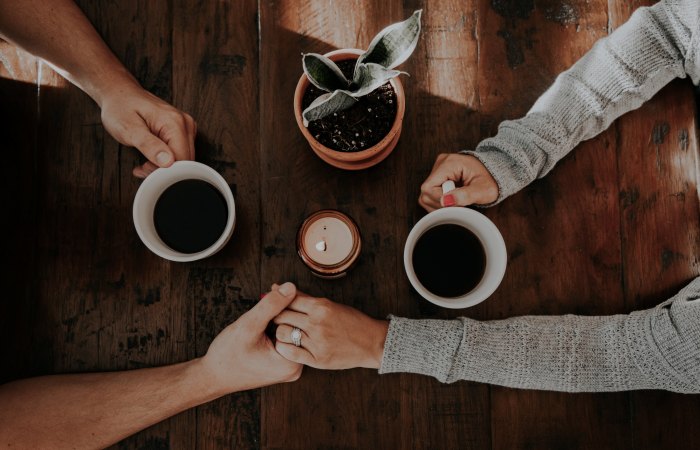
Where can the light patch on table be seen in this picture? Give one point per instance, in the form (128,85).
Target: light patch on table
(328,241)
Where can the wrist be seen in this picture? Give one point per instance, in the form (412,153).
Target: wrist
(117,84)
(203,382)
(378,334)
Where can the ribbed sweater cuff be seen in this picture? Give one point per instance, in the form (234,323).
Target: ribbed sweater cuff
(421,346)
(664,345)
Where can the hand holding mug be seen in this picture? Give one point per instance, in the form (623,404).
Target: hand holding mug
(475,185)
(135,117)
(333,336)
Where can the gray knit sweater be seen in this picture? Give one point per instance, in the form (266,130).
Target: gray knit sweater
(658,348)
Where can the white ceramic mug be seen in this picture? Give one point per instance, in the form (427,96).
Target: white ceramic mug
(152,188)
(491,240)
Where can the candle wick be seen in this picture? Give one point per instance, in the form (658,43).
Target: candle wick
(321,246)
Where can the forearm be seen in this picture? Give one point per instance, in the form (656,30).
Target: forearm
(99,409)
(58,32)
(651,349)
(617,75)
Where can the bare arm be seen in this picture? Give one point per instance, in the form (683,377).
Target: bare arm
(99,409)
(58,32)
(95,410)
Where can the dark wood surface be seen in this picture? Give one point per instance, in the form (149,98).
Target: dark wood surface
(614,228)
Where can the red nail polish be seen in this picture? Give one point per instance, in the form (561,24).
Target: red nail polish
(448,200)
(262,296)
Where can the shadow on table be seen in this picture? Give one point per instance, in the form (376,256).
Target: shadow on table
(18,194)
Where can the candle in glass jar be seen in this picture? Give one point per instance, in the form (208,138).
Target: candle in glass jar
(328,242)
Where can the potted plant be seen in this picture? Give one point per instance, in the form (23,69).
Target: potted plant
(350,104)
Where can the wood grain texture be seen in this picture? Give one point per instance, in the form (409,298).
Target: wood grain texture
(105,301)
(660,237)
(562,232)
(215,78)
(443,97)
(657,155)
(87,295)
(19,72)
(342,407)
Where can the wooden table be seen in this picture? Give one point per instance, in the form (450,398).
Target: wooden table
(613,228)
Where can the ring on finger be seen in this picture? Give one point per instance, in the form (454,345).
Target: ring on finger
(296,336)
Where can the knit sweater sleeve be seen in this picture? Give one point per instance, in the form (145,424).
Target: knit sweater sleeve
(658,348)
(617,75)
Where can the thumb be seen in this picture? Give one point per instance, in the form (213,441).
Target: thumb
(271,305)
(153,148)
(463,196)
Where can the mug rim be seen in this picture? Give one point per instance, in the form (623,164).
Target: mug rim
(165,175)
(494,247)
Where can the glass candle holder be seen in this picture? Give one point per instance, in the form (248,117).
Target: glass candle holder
(328,243)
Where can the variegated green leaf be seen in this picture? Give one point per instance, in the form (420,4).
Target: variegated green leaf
(369,77)
(394,44)
(326,105)
(324,73)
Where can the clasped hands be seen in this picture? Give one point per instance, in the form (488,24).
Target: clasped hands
(334,336)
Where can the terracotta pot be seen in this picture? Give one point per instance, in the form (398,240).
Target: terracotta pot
(352,160)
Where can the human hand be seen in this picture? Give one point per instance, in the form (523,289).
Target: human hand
(243,357)
(334,336)
(475,185)
(137,118)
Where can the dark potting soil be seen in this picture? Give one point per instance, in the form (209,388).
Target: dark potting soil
(359,127)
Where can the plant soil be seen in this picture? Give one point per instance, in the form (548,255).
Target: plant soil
(359,127)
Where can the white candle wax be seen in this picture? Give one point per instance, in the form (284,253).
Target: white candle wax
(328,241)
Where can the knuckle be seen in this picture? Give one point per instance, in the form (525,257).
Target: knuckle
(492,192)
(323,311)
(449,157)
(178,117)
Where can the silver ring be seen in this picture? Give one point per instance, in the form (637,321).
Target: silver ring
(296,336)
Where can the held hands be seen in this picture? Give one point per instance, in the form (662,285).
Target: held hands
(242,357)
(135,117)
(333,336)
(475,185)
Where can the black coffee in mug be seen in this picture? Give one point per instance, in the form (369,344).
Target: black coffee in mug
(190,216)
(449,260)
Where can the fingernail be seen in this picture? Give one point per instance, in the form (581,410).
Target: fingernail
(448,200)
(286,289)
(163,158)
(262,296)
